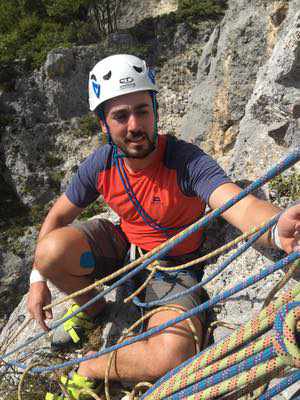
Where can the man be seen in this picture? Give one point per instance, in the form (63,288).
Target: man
(157,185)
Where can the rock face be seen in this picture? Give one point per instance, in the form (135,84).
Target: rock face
(271,120)
(20,329)
(137,11)
(34,148)
(252,55)
(231,87)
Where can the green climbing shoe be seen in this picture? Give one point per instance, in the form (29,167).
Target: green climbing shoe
(73,330)
(77,387)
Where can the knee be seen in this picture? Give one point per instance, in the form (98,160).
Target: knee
(169,353)
(50,252)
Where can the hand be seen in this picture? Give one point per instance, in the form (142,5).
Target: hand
(38,297)
(289,229)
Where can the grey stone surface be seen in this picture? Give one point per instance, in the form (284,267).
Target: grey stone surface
(269,123)
(226,74)
(183,37)
(20,329)
(117,39)
(59,63)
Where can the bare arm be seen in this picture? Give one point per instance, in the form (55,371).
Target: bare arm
(62,213)
(247,213)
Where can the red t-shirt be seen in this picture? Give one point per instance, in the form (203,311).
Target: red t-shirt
(173,190)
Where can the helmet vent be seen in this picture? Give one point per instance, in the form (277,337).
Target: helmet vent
(138,69)
(107,76)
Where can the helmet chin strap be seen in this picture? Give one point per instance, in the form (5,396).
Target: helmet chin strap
(154,104)
(117,152)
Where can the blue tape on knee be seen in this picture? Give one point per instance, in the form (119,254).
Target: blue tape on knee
(87,260)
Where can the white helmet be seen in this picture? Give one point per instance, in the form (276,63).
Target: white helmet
(117,75)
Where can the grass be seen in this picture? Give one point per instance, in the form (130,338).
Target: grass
(286,185)
(95,208)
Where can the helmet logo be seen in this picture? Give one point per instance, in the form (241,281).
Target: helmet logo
(126,80)
(96,88)
(127,83)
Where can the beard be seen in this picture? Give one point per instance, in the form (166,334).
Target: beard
(133,149)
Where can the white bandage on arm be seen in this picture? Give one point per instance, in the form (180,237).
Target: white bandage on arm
(36,276)
(275,237)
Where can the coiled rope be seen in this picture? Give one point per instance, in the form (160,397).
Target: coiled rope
(190,313)
(210,373)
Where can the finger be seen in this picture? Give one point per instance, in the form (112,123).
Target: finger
(39,317)
(48,314)
(297,226)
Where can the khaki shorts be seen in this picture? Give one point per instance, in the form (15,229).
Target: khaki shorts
(110,248)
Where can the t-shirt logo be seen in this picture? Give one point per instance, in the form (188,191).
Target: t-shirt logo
(155,199)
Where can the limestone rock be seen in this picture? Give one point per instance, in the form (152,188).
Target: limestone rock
(226,75)
(21,329)
(59,63)
(269,122)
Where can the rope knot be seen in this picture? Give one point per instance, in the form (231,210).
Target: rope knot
(286,337)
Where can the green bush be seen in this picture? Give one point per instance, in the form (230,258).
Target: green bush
(88,125)
(286,185)
(29,29)
(8,12)
(191,9)
(93,209)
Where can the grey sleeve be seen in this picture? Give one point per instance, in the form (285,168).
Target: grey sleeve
(200,174)
(83,190)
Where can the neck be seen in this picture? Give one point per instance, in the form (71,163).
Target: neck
(136,164)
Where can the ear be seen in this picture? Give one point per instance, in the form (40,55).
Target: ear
(102,125)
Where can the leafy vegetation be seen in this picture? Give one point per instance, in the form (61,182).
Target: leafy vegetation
(191,9)
(286,185)
(93,209)
(30,28)
(88,125)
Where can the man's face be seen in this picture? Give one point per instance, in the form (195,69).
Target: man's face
(131,122)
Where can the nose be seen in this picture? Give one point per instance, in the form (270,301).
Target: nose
(133,123)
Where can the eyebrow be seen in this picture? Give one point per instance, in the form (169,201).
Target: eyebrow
(136,108)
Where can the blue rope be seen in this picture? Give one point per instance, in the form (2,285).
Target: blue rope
(227,293)
(283,384)
(196,310)
(284,164)
(137,205)
(227,373)
(279,323)
(221,268)
(290,160)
